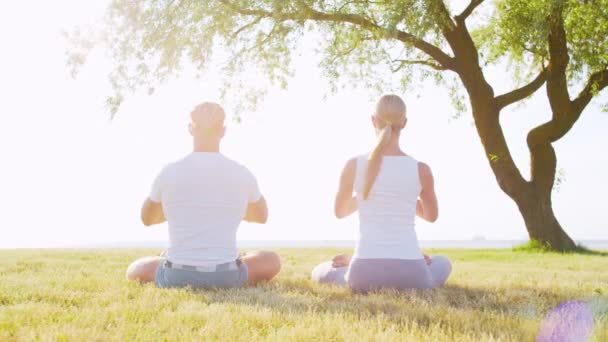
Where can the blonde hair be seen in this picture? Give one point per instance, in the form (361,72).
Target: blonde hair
(390,115)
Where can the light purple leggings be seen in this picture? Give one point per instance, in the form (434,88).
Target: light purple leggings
(368,274)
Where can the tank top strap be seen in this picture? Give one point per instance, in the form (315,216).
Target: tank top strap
(361,165)
(415,168)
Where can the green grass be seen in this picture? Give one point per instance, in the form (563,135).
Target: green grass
(492,295)
(534,246)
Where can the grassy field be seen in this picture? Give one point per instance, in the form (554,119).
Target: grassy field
(498,295)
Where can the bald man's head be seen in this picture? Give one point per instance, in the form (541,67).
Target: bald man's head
(207,119)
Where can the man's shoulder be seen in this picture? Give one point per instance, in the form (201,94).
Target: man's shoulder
(219,163)
(171,166)
(231,163)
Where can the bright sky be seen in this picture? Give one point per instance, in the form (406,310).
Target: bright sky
(70,176)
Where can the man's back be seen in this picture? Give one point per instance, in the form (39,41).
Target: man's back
(204,198)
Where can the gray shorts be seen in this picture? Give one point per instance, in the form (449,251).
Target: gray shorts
(228,275)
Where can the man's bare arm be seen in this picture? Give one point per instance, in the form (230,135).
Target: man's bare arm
(257,212)
(152,213)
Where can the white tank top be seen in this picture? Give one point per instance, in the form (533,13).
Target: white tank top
(387,217)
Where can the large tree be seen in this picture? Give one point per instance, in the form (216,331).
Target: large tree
(559,44)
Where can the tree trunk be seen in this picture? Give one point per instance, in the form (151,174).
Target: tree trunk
(532,197)
(541,223)
(535,203)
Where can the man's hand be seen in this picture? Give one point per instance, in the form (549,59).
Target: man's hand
(341,260)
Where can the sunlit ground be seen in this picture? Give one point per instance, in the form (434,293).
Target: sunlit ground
(492,295)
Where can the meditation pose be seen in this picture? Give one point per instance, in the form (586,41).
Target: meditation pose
(390,188)
(204,197)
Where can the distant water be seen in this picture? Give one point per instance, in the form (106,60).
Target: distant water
(464,244)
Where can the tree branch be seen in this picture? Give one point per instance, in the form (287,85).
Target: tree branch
(257,45)
(428,62)
(467,11)
(355,2)
(596,83)
(565,112)
(562,118)
(346,52)
(245,27)
(442,14)
(446,61)
(521,93)
(533,51)
(557,83)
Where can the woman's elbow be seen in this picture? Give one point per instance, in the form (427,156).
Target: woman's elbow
(340,213)
(432,217)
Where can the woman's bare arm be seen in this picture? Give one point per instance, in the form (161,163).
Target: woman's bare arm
(346,203)
(426,206)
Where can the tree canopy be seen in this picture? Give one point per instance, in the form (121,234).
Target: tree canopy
(362,42)
(559,44)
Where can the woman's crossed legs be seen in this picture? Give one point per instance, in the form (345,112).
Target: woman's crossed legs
(367,274)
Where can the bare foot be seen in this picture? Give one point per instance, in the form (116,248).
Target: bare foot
(341,260)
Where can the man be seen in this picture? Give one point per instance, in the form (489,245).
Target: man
(204,197)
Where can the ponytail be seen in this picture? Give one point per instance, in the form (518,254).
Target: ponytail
(390,112)
(375,160)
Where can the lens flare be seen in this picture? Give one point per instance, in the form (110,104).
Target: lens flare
(570,321)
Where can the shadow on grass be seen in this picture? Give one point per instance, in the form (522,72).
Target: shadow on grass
(455,307)
(584,250)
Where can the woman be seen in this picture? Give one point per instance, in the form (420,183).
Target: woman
(391,189)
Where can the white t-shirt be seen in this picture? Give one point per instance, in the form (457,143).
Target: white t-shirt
(204,198)
(387,217)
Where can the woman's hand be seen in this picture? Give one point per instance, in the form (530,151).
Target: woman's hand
(341,260)
(427,259)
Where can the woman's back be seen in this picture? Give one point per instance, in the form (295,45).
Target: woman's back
(387,216)
(391,190)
